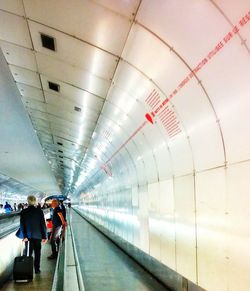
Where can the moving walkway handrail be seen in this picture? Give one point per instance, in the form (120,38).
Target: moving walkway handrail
(8,215)
(56,273)
(62,266)
(78,269)
(14,226)
(9,223)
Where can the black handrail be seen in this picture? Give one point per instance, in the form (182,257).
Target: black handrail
(8,215)
(13,227)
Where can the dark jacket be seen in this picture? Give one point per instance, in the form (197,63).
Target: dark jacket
(63,210)
(32,223)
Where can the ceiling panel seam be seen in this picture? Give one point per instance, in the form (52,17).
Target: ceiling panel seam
(243,41)
(109,9)
(112,82)
(41,144)
(70,84)
(171,48)
(73,36)
(12,13)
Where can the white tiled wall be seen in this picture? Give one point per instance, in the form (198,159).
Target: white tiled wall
(189,206)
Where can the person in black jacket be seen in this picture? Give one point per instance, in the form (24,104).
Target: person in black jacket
(58,226)
(33,227)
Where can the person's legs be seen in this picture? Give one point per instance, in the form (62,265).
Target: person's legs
(53,241)
(37,250)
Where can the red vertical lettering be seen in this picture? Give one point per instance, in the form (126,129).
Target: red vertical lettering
(235,29)
(228,37)
(243,21)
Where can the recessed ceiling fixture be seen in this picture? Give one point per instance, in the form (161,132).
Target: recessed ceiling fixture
(59,143)
(60,151)
(61,157)
(48,42)
(54,86)
(78,109)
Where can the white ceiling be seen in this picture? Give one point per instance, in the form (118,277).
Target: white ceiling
(110,56)
(22,159)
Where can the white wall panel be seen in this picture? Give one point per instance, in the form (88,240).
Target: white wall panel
(69,115)
(135,196)
(143,218)
(96,61)
(136,228)
(166,204)
(154,235)
(245,30)
(19,56)
(154,197)
(132,81)
(183,25)
(140,169)
(13,6)
(150,167)
(165,195)
(233,10)
(72,93)
(124,105)
(102,27)
(157,62)
(65,104)
(163,161)
(185,227)
(181,155)
(238,201)
(14,29)
(36,105)
(70,74)
(25,76)
(167,224)
(212,229)
(126,8)
(30,92)
(207,147)
(199,119)
(228,87)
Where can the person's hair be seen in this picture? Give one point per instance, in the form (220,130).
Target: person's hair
(31,200)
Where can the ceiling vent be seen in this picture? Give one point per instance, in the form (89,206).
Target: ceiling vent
(54,86)
(59,143)
(48,42)
(78,109)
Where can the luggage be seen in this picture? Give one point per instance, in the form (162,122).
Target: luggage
(23,267)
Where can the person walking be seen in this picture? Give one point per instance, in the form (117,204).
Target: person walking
(7,207)
(58,224)
(33,227)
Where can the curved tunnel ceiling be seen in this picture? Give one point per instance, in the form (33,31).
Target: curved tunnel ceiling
(135,91)
(23,166)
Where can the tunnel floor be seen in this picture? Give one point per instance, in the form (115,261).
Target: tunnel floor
(42,281)
(106,267)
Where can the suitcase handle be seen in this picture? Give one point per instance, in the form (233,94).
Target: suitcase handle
(28,248)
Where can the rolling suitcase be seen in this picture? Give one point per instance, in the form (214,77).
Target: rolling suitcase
(23,267)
